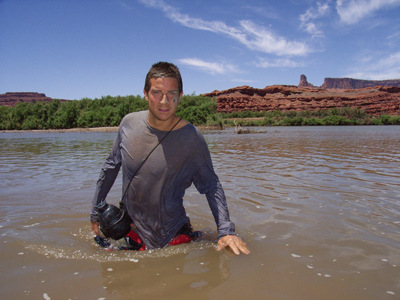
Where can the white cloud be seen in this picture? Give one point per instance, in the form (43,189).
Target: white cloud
(209,67)
(247,33)
(351,11)
(242,81)
(378,69)
(393,35)
(263,40)
(265,10)
(278,63)
(307,19)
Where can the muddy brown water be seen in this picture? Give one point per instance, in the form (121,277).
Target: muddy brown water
(319,208)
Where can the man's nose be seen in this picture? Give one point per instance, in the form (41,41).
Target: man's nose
(164,99)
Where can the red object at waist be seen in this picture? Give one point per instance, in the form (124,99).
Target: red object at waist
(178,239)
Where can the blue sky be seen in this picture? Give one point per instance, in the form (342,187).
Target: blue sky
(71,49)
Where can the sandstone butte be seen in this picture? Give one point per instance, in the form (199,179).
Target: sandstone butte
(12,99)
(374,97)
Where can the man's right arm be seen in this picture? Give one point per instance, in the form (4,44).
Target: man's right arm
(108,174)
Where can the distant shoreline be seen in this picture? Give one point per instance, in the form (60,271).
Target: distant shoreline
(94,129)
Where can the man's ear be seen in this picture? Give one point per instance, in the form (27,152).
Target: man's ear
(146,95)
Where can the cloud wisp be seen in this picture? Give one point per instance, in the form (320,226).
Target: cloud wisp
(307,20)
(209,67)
(278,63)
(249,34)
(352,11)
(379,69)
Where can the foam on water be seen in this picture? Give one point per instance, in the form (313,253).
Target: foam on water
(91,251)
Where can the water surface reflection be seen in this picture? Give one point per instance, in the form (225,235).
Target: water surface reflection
(318,206)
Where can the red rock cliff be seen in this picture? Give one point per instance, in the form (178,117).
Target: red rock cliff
(350,83)
(374,101)
(303,81)
(11,99)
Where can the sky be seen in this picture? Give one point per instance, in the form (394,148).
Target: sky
(75,49)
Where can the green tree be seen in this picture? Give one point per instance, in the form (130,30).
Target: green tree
(335,120)
(196,109)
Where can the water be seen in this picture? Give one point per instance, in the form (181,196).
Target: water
(319,208)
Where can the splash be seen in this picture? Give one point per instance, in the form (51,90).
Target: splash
(85,248)
(100,255)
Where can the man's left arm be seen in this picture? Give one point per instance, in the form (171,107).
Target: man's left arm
(226,229)
(207,182)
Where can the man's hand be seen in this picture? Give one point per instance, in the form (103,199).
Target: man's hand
(236,244)
(96,228)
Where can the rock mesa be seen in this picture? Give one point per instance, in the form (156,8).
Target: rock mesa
(12,99)
(373,100)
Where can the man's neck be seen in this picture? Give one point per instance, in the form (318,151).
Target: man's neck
(162,125)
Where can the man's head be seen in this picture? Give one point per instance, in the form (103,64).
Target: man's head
(163,92)
(163,70)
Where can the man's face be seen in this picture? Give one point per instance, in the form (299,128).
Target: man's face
(163,98)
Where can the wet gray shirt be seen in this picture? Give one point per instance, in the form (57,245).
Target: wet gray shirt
(155,197)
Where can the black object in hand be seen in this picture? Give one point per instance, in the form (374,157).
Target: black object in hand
(102,241)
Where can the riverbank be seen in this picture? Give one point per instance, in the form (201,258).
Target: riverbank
(94,129)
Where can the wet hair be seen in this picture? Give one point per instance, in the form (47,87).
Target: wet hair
(161,70)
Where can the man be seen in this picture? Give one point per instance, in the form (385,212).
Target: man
(154,195)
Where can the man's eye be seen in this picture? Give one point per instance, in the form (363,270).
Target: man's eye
(172,94)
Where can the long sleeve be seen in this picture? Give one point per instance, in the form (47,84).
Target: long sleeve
(207,182)
(108,174)
(219,208)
